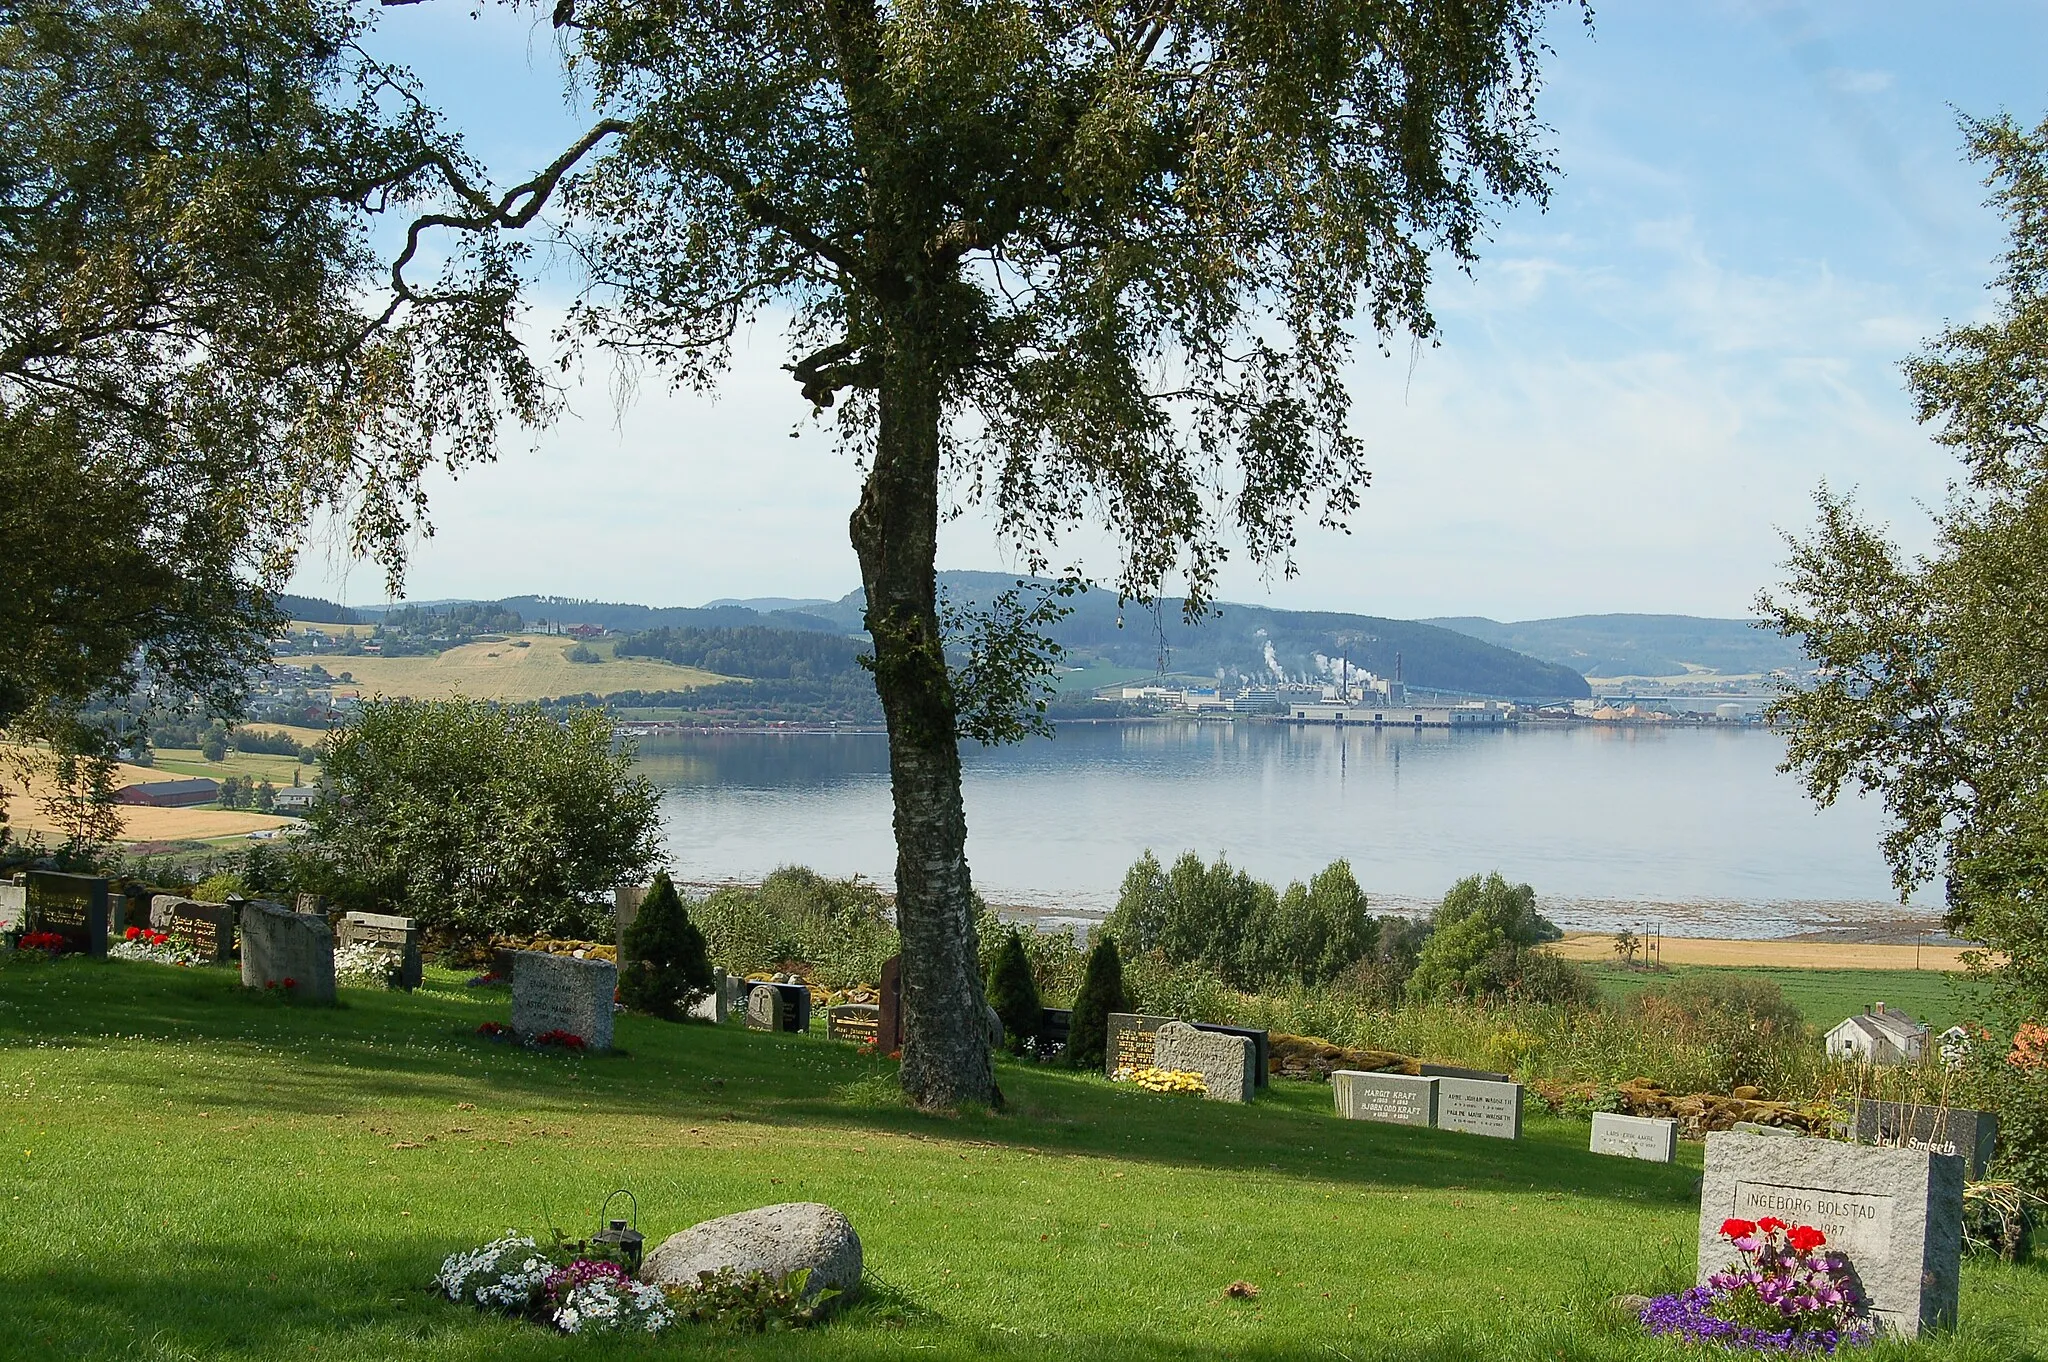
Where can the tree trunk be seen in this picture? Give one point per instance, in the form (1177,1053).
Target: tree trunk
(895,532)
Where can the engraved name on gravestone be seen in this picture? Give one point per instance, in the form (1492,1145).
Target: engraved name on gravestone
(279,945)
(857,1022)
(75,907)
(1896,1213)
(1479,1106)
(1130,1040)
(208,928)
(399,935)
(1635,1137)
(562,993)
(1398,1099)
(1938,1130)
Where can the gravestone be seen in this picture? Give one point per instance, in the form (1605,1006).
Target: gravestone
(136,901)
(1261,1045)
(1054,1030)
(1479,1106)
(779,1007)
(736,988)
(1635,1137)
(1227,1064)
(889,1023)
(399,935)
(13,907)
(1398,1099)
(278,944)
(1452,1071)
(1938,1130)
(562,993)
(1896,1213)
(857,1022)
(1130,1040)
(75,907)
(626,901)
(208,928)
(715,1005)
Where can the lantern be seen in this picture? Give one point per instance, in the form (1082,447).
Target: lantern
(618,1236)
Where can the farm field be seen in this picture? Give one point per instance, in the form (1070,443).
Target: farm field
(1821,955)
(140,823)
(188,761)
(540,670)
(201,1172)
(1825,997)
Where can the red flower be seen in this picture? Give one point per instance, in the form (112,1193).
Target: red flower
(1805,1238)
(131,933)
(291,983)
(1738,1229)
(491,1029)
(1770,1224)
(270,983)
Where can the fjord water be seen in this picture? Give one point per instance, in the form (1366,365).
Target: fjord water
(1693,828)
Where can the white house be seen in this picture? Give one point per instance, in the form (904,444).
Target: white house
(1879,1035)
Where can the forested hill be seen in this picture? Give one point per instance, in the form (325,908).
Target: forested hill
(1641,645)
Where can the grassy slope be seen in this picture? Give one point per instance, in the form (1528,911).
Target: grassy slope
(1826,996)
(198,1173)
(501,671)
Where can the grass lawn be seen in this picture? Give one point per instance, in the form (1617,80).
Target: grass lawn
(200,1173)
(1826,996)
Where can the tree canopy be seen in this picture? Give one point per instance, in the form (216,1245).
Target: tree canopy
(1928,691)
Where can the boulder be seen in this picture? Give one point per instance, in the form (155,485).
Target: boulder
(1226,1063)
(776,1240)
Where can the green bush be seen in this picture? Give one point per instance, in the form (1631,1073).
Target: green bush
(663,967)
(1102,992)
(839,930)
(1479,943)
(1013,993)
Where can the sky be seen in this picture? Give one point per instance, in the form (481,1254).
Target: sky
(1762,208)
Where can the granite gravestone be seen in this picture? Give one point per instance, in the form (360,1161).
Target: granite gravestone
(75,907)
(13,907)
(889,1022)
(1479,1106)
(208,928)
(857,1022)
(1635,1137)
(715,1005)
(1261,1046)
(779,1007)
(1938,1130)
(1226,1063)
(1399,1099)
(626,901)
(1130,1040)
(398,935)
(562,993)
(286,950)
(1896,1213)
(1055,1028)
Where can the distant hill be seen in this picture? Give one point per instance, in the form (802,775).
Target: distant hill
(1639,645)
(610,615)
(313,610)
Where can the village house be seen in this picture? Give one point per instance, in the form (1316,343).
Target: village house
(1878,1035)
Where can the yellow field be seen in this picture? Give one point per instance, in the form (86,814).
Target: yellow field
(187,761)
(138,823)
(505,671)
(1684,950)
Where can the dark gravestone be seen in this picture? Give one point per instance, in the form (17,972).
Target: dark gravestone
(1262,1050)
(399,935)
(1054,1028)
(779,1007)
(889,1022)
(857,1022)
(208,928)
(1475,1075)
(75,907)
(1937,1130)
(1130,1040)
(135,904)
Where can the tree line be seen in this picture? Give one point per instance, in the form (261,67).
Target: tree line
(762,654)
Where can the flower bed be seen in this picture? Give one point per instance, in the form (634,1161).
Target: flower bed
(1782,1294)
(1161,1080)
(148,944)
(45,943)
(367,965)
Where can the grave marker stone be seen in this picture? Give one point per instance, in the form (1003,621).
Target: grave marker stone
(1054,1030)
(626,901)
(1635,1137)
(562,993)
(1938,1130)
(1227,1063)
(779,1007)
(13,907)
(1261,1045)
(857,1022)
(399,935)
(713,1006)
(889,1023)
(278,944)
(208,928)
(1399,1099)
(1130,1040)
(75,907)
(1896,1213)
(1479,1106)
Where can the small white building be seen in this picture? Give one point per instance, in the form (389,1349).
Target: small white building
(1878,1035)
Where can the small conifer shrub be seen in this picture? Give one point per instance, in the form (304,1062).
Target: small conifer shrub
(663,967)
(1013,993)
(1102,992)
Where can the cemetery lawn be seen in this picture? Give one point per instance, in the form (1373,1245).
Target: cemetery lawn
(200,1173)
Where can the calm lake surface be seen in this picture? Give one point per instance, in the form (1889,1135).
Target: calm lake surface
(1692,828)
